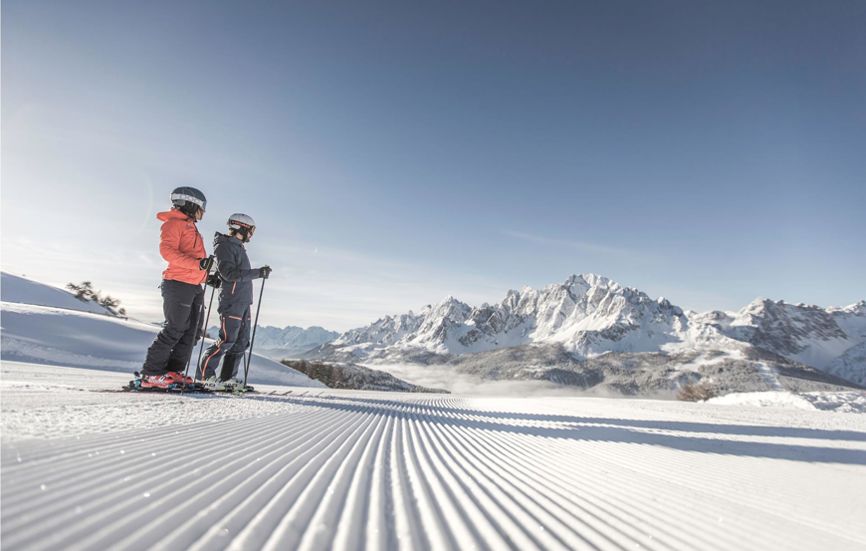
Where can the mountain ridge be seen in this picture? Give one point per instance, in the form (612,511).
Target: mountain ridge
(590,315)
(279,343)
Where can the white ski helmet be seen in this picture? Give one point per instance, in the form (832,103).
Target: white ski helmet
(243,224)
(188,200)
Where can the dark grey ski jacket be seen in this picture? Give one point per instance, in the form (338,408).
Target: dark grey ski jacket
(233,265)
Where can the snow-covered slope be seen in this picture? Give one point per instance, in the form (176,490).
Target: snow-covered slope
(850,365)
(53,334)
(26,291)
(322,469)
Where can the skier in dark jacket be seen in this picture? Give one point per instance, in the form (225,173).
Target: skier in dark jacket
(236,296)
(182,246)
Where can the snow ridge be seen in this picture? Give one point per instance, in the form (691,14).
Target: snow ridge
(21,290)
(54,332)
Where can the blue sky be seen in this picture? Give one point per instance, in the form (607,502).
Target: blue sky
(395,153)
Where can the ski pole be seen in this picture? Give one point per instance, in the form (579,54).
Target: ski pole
(201,348)
(253,339)
(198,326)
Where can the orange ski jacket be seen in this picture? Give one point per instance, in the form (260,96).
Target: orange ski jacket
(182,247)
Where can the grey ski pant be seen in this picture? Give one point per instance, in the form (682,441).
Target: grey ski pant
(172,347)
(234,338)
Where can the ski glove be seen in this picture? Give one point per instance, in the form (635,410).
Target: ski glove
(214,280)
(264,272)
(206,263)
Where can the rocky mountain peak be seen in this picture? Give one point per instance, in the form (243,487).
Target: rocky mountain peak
(786,329)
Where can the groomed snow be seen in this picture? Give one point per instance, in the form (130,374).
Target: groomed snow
(84,467)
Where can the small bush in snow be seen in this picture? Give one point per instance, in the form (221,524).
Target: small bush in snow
(695,392)
(84,292)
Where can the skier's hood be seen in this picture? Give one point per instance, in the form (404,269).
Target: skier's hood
(220,238)
(172,214)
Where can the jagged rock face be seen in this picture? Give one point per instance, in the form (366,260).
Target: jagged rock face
(784,328)
(590,315)
(586,312)
(443,322)
(851,365)
(831,339)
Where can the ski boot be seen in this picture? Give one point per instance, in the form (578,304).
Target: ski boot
(237,386)
(166,381)
(214,384)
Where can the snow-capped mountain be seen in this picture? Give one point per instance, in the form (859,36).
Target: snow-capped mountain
(383,332)
(588,315)
(830,339)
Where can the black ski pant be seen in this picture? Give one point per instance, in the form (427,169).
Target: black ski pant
(172,347)
(234,338)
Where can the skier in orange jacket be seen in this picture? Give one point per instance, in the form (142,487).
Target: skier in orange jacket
(181,245)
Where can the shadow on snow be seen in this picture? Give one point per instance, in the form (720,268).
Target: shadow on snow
(631,431)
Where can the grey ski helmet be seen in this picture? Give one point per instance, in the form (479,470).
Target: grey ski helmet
(188,200)
(242,224)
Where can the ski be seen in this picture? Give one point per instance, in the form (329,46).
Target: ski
(196,387)
(235,389)
(177,388)
(173,389)
(243,389)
